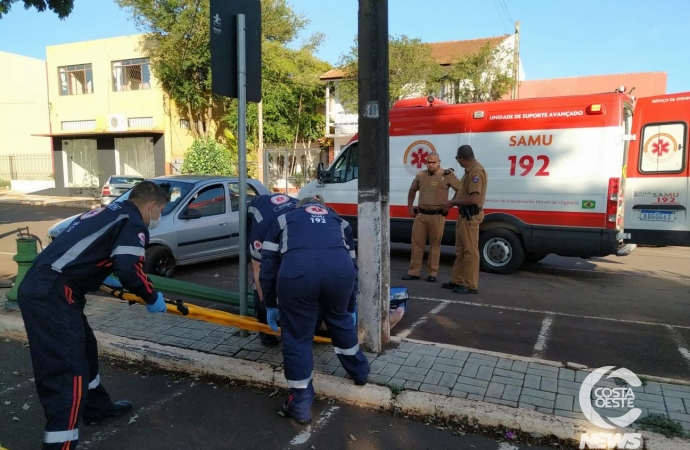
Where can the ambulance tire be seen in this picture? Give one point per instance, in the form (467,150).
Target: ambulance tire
(500,251)
(159,261)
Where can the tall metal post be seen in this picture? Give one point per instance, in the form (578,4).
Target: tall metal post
(242,156)
(373,224)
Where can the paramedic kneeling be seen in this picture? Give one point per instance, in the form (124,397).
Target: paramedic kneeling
(261,213)
(64,351)
(308,262)
(470,202)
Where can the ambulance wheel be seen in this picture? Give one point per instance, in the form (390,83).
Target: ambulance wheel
(159,261)
(500,251)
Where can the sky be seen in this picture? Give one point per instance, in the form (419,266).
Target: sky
(558,38)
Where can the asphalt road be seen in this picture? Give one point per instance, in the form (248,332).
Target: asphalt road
(630,311)
(176,411)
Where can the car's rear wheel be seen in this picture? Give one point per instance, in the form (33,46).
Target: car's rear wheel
(159,261)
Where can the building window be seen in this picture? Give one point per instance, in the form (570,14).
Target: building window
(76,80)
(140,122)
(131,75)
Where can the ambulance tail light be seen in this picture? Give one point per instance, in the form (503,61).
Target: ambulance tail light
(612,202)
(106,191)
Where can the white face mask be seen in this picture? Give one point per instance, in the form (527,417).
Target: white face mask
(153,223)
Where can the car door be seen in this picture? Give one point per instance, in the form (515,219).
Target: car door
(203,225)
(234,216)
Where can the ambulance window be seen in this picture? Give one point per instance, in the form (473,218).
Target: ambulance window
(346,167)
(663,148)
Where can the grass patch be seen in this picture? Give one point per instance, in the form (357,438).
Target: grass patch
(659,423)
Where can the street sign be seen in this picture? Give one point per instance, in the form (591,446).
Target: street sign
(224,61)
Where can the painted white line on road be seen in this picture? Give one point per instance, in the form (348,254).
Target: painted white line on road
(507,446)
(539,311)
(666,253)
(8,253)
(680,342)
(543,338)
(406,332)
(304,436)
(611,272)
(104,435)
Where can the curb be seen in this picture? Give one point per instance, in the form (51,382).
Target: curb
(371,396)
(65,204)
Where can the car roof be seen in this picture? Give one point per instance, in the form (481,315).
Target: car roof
(191,178)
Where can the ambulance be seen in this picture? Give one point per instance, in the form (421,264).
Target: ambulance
(658,172)
(554,165)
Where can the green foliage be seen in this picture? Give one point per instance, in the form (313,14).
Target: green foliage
(178,45)
(252,156)
(62,8)
(208,157)
(660,423)
(482,76)
(411,71)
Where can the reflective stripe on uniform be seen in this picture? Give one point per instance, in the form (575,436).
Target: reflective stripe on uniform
(284,248)
(128,250)
(353,254)
(270,246)
(346,351)
(300,384)
(96,381)
(82,245)
(257,214)
(56,437)
(343,225)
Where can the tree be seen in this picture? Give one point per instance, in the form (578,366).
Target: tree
(62,8)
(178,44)
(486,75)
(412,70)
(208,157)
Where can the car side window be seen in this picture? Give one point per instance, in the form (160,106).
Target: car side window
(209,201)
(234,190)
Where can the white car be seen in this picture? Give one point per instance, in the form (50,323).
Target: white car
(200,223)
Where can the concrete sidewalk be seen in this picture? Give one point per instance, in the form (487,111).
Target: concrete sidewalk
(19,198)
(414,377)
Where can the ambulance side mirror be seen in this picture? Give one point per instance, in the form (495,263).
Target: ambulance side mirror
(323,175)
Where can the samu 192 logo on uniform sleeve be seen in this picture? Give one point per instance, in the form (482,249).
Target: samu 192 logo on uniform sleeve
(279,199)
(314,209)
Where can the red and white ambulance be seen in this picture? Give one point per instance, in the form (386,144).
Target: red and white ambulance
(658,174)
(555,173)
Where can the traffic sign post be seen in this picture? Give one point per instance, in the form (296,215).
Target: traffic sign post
(230,67)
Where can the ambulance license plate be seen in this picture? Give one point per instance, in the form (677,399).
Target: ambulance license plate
(660,216)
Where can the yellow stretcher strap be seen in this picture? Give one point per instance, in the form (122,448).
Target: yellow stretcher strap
(207,315)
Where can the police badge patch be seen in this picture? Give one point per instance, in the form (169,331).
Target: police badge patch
(475,179)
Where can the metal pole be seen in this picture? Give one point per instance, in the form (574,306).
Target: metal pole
(373,224)
(242,150)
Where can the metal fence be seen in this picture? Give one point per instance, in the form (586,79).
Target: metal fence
(26,167)
(288,169)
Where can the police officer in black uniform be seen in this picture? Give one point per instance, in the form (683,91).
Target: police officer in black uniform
(64,352)
(261,212)
(308,261)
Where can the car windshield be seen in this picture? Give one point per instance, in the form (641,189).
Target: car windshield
(177,190)
(126,180)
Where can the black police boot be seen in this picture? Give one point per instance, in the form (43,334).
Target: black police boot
(268,340)
(115,410)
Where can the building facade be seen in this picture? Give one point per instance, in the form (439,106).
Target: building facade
(108,115)
(24,112)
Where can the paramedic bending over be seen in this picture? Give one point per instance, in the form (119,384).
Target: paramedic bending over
(308,261)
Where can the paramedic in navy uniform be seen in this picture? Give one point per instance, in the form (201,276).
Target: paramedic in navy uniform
(308,261)
(64,352)
(261,213)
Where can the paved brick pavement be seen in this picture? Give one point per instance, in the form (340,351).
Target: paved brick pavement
(411,366)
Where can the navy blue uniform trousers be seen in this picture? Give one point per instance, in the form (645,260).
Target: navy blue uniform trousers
(64,355)
(309,283)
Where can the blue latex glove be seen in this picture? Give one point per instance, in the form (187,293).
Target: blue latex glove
(159,306)
(110,281)
(354,318)
(272,317)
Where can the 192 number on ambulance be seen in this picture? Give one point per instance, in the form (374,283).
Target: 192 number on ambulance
(528,164)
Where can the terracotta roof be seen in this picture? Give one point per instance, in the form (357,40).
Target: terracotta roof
(646,84)
(443,52)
